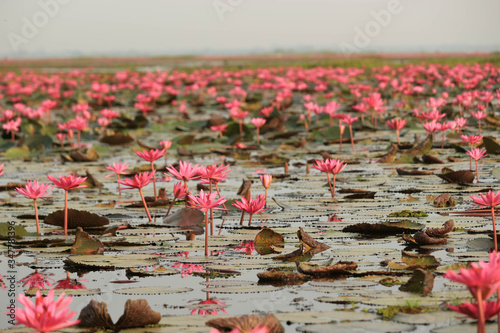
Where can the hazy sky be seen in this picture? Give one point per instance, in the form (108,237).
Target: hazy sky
(31,28)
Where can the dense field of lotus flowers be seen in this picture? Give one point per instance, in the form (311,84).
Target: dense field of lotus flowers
(187,140)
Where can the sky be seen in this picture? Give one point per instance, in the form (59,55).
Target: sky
(62,28)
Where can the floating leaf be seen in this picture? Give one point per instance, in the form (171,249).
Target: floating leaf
(112,262)
(444,200)
(458,177)
(157,271)
(84,244)
(151,291)
(421,282)
(491,145)
(17,152)
(7,228)
(275,275)
(76,218)
(117,139)
(137,313)
(247,323)
(384,228)
(390,157)
(339,268)
(419,260)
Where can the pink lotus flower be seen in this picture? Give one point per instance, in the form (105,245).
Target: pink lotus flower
(46,314)
(1,169)
(186,172)
(179,193)
(118,169)
(35,190)
(489,200)
(139,181)
(396,124)
(477,154)
(266,182)
(471,310)
(151,156)
(482,280)
(479,115)
(67,183)
(204,202)
(348,120)
(12,126)
(258,122)
(219,128)
(252,206)
(330,165)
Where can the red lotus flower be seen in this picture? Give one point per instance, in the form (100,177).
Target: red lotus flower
(118,169)
(179,193)
(431,127)
(204,202)
(46,314)
(1,169)
(330,165)
(489,200)
(258,122)
(477,154)
(471,310)
(67,183)
(252,206)
(479,115)
(213,174)
(219,128)
(139,181)
(152,156)
(186,171)
(396,124)
(35,190)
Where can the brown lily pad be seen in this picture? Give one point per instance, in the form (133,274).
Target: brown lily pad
(309,244)
(419,260)
(384,228)
(441,232)
(444,200)
(275,275)
(76,218)
(422,238)
(137,313)
(390,157)
(84,244)
(431,159)
(266,239)
(458,177)
(413,172)
(247,323)
(421,282)
(186,219)
(117,139)
(339,268)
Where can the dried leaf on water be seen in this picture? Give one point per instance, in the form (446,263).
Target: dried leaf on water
(339,268)
(421,282)
(76,218)
(84,244)
(247,323)
(137,313)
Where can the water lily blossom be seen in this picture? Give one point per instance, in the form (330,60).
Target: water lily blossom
(139,181)
(491,199)
(151,156)
(258,123)
(396,124)
(119,169)
(35,190)
(46,314)
(67,183)
(204,202)
(477,154)
(251,206)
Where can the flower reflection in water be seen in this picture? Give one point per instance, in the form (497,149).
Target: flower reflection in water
(68,283)
(246,246)
(37,280)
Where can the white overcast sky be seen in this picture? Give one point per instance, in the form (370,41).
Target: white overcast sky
(174,27)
